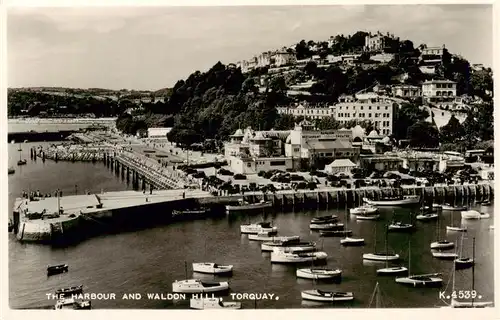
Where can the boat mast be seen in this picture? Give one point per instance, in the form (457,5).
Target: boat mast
(386,250)
(409,257)
(186,268)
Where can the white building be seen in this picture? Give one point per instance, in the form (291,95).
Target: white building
(340,165)
(249,151)
(439,88)
(264,59)
(379,110)
(406,91)
(442,117)
(432,55)
(382,57)
(306,143)
(308,112)
(283,58)
(377,42)
(158,132)
(431,69)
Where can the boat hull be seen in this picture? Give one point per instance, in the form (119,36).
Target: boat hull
(318,275)
(416,282)
(452,208)
(213,303)
(393,203)
(380,257)
(248,207)
(294,248)
(249,229)
(445,255)
(331,233)
(392,270)
(367,217)
(442,245)
(353,242)
(211,269)
(256,237)
(463,263)
(327,226)
(456,229)
(313,295)
(185,287)
(279,257)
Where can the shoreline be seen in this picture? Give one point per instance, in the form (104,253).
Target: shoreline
(58,120)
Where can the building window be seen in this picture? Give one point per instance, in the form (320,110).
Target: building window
(277,163)
(369,115)
(369,107)
(376,115)
(361,107)
(249,164)
(386,108)
(378,107)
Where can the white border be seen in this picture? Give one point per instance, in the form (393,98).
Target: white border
(6,313)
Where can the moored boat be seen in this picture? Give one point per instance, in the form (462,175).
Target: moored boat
(318,273)
(348,241)
(442,244)
(456,229)
(60,268)
(213,303)
(281,255)
(381,256)
(450,207)
(72,304)
(327,226)
(189,212)
(326,296)
(212,268)
(364,210)
(394,201)
(259,227)
(199,286)
(289,245)
(473,214)
(69,290)
(444,255)
(485,203)
(11,170)
(427,216)
(400,226)
(335,233)
(421,280)
(324,219)
(22,162)
(264,236)
(392,270)
(367,216)
(463,263)
(244,206)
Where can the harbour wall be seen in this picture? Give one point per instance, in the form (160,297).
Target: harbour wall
(150,214)
(33,136)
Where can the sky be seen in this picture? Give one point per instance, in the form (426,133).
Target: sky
(149,48)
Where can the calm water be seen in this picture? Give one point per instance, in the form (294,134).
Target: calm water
(149,261)
(25,127)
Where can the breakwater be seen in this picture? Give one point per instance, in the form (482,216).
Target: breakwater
(69,153)
(103,217)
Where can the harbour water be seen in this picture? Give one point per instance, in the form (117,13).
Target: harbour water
(148,261)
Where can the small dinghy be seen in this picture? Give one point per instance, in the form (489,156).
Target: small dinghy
(335,233)
(213,303)
(22,162)
(400,226)
(198,286)
(11,170)
(450,207)
(463,263)
(264,236)
(353,242)
(60,268)
(326,296)
(473,214)
(69,290)
(381,256)
(212,268)
(444,255)
(72,304)
(367,216)
(456,229)
(485,203)
(392,270)
(442,244)
(427,216)
(293,246)
(281,255)
(394,201)
(324,219)
(327,226)
(255,228)
(319,274)
(246,206)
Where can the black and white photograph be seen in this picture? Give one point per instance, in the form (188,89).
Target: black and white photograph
(243,157)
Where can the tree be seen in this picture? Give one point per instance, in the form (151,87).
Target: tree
(249,86)
(302,50)
(284,122)
(310,68)
(423,135)
(452,131)
(406,116)
(328,123)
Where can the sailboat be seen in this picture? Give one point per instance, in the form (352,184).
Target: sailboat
(468,304)
(391,270)
(421,280)
(381,256)
(463,262)
(20,149)
(426,212)
(401,226)
(336,233)
(21,162)
(454,228)
(348,241)
(441,244)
